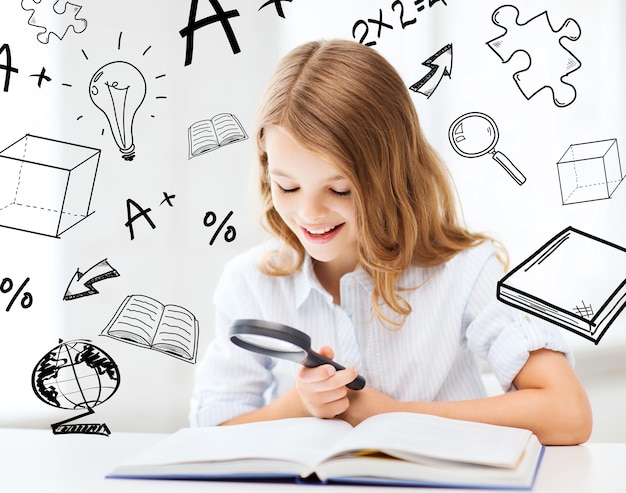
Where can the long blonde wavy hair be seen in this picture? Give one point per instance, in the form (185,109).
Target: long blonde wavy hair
(345,102)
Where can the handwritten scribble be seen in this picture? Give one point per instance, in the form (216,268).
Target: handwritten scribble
(278,4)
(6,66)
(6,287)
(210,218)
(585,310)
(220,16)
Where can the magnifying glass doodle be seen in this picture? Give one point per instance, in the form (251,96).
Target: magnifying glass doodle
(476,134)
(281,341)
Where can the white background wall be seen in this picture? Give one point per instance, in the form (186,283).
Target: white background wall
(174,263)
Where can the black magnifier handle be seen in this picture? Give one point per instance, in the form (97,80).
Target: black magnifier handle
(314,360)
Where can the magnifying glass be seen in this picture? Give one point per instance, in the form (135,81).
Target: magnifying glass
(281,341)
(476,134)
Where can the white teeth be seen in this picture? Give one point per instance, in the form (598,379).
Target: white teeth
(320,231)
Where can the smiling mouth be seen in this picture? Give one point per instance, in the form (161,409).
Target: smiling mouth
(322,233)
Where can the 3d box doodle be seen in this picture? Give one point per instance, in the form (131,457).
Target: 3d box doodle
(590,171)
(46,185)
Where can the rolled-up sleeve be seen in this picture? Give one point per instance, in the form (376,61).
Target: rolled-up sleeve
(502,335)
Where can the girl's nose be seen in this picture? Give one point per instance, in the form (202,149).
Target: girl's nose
(312,209)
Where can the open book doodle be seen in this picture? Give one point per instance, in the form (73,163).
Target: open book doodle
(399,448)
(146,322)
(210,134)
(575,280)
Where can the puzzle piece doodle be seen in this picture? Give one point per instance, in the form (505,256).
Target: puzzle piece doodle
(549,61)
(54,17)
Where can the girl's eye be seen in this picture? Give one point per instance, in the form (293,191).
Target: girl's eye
(286,190)
(340,193)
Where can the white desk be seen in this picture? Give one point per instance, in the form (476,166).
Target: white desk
(38,461)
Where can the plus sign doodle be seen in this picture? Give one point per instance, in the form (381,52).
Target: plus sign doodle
(9,69)
(143,212)
(219,16)
(41,76)
(278,4)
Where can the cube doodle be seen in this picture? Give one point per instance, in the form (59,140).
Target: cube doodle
(549,61)
(46,185)
(54,17)
(590,171)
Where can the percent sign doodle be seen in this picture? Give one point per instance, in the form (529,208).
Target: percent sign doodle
(210,218)
(7,285)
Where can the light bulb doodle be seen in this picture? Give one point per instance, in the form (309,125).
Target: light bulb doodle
(118,89)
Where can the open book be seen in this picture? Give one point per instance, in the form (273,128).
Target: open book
(144,321)
(391,449)
(221,130)
(575,280)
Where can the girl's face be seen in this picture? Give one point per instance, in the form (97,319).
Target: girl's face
(313,199)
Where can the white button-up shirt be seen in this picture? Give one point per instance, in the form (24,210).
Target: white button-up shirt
(456,320)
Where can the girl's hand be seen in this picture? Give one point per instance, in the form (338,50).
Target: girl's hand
(323,389)
(368,402)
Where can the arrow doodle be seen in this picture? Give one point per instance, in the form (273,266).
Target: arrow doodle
(82,284)
(440,64)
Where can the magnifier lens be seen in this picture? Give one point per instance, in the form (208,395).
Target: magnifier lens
(282,341)
(474,135)
(270,343)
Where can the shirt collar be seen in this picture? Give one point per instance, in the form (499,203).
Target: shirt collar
(306,282)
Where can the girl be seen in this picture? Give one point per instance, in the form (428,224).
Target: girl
(372,262)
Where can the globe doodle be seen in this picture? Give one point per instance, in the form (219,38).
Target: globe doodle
(76,375)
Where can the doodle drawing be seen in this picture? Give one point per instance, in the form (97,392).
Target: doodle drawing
(118,89)
(81,284)
(54,17)
(46,185)
(207,135)
(210,218)
(476,134)
(549,61)
(6,287)
(440,65)
(145,322)
(575,280)
(590,171)
(76,375)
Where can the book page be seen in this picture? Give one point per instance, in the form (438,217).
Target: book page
(386,470)
(228,128)
(300,440)
(202,137)
(177,332)
(434,437)
(136,320)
